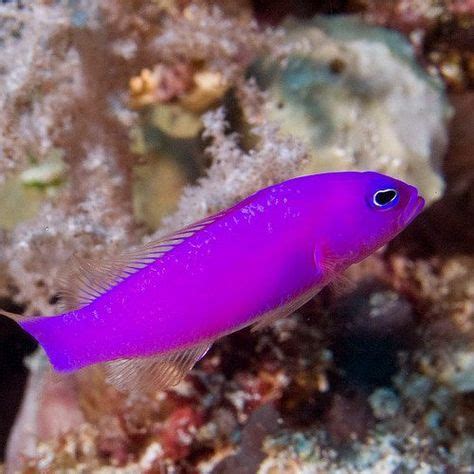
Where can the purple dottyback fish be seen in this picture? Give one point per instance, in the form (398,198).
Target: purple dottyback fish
(152,313)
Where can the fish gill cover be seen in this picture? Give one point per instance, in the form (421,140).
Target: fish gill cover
(123,121)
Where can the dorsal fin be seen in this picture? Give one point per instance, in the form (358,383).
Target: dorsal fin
(86,279)
(154,373)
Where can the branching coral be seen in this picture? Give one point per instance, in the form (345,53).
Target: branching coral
(194,36)
(54,106)
(49,240)
(63,96)
(29,60)
(235,173)
(78,104)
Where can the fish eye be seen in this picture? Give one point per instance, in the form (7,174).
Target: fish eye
(385,198)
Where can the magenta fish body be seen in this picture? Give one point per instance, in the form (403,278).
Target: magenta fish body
(256,261)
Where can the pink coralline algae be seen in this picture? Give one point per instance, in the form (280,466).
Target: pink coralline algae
(178,432)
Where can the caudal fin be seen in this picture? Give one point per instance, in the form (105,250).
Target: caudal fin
(15,316)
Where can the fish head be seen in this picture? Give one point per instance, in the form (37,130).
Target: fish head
(366,210)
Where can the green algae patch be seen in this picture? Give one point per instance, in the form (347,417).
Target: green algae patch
(46,174)
(22,195)
(18,203)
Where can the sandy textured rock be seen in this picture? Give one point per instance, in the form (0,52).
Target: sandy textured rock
(359,100)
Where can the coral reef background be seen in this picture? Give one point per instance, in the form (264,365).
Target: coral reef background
(123,120)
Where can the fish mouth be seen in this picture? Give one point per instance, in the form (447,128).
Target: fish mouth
(415,206)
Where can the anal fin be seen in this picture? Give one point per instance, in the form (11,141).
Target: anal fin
(156,372)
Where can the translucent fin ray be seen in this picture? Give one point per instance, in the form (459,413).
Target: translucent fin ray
(285,310)
(15,316)
(341,285)
(154,373)
(87,279)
